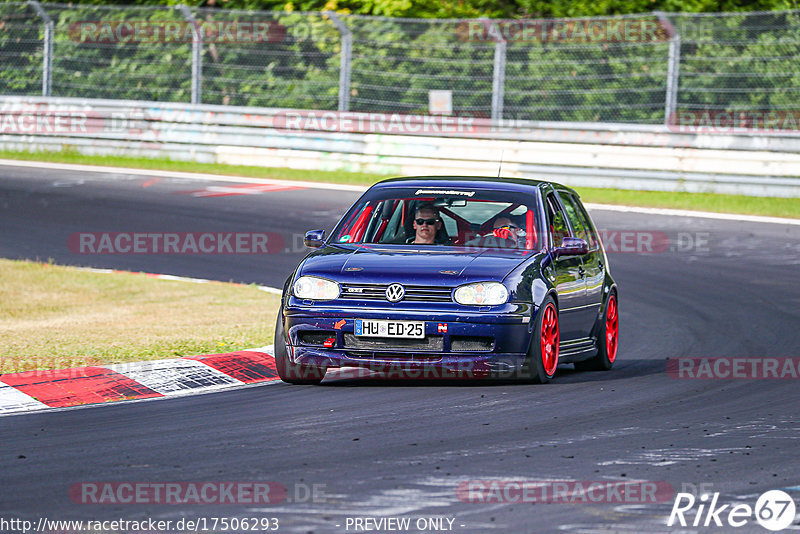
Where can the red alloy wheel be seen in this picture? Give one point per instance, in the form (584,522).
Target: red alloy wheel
(612,328)
(549,339)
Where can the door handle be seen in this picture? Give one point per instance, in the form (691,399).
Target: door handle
(581,271)
(600,264)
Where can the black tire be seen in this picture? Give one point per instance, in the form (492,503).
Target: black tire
(288,371)
(607,348)
(542,361)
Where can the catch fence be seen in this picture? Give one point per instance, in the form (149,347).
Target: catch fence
(646,69)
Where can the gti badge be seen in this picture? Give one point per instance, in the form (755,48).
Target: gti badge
(395,293)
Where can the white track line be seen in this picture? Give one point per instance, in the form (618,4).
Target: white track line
(178,174)
(189,393)
(689,213)
(358,188)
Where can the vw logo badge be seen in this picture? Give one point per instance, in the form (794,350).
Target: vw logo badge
(395,293)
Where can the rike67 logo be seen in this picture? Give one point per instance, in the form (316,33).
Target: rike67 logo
(774,510)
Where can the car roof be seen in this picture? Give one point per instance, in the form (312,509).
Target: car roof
(479,182)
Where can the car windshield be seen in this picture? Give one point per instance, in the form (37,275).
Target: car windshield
(446,217)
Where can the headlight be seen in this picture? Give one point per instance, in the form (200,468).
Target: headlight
(482,294)
(313,288)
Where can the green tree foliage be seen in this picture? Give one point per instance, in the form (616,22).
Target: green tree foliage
(731,61)
(480,8)
(85,63)
(20,50)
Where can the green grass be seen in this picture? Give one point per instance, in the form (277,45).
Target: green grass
(55,317)
(776,207)
(771,206)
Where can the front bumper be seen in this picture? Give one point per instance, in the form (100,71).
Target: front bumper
(459,341)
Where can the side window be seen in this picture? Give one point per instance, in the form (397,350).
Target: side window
(594,241)
(556,220)
(356,225)
(575,217)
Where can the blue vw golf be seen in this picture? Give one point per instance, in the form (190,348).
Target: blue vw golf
(465,276)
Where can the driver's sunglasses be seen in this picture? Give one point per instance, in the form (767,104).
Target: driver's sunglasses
(421,221)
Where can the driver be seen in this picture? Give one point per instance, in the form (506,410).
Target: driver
(426,223)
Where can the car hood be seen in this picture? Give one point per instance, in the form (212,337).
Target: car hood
(412,265)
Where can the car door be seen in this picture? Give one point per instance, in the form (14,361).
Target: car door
(593,268)
(569,280)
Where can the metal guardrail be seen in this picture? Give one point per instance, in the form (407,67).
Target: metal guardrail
(647,157)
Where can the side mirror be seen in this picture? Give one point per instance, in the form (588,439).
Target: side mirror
(314,238)
(572,246)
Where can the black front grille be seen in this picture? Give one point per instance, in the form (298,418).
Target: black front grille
(413,293)
(471,343)
(430,343)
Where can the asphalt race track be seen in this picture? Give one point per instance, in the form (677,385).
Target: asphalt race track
(380,449)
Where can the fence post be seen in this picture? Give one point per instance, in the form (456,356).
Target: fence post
(673,68)
(47,48)
(344,60)
(197,54)
(498,74)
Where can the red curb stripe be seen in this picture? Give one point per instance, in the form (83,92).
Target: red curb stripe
(82,385)
(246,366)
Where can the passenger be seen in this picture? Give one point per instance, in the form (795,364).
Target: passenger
(506,230)
(505,234)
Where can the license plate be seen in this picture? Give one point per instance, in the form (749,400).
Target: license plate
(377,328)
